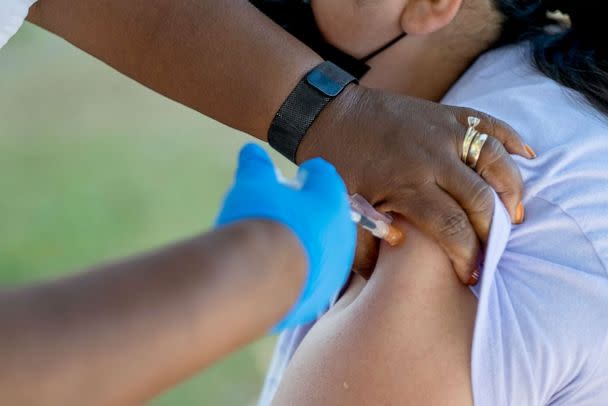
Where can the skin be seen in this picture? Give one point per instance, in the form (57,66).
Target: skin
(425,64)
(121,333)
(431,58)
(168,45)
(412,324)
(404,337)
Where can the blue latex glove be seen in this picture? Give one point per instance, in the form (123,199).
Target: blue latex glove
(317,211)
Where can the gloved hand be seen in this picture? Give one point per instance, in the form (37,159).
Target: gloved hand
(316,210)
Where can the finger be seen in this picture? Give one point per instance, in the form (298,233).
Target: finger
(321,177)
(366,255)
(501,172)
(502,131)
(472,193)
(438,215)
(254,163)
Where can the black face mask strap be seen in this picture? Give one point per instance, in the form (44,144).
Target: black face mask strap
(297,17)
(383,48)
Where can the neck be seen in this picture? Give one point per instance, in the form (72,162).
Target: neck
(417,67)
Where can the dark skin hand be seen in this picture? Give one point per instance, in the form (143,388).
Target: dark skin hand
(228,61)
(413,168)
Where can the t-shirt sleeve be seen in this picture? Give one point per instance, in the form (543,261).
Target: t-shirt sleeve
(586,390)
(540,336)
(12,16)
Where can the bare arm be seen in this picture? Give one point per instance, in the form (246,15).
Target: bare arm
(121,333)
(404,339)
(222,58)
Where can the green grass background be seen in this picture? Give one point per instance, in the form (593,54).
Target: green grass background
(93,167)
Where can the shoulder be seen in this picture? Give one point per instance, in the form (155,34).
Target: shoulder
(588,390)
(542,324)
(344,359)
(12,16)
(541,329)
(570,137)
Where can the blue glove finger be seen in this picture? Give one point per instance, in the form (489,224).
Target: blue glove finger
(331,252)
(255,164)
(322,179)
(317,212)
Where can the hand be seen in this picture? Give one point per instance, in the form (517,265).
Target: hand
(403,155)
(317,211)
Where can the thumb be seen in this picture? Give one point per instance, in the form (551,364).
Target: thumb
(254,163)
(321,178)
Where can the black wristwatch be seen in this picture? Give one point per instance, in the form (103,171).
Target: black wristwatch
(303,105)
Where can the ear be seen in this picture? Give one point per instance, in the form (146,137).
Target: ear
(421,17)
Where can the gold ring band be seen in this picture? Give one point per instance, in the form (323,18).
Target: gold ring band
(475,150)
(468,138)
(466,144)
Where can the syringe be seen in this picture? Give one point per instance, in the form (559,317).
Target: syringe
(362,213)
(373,221)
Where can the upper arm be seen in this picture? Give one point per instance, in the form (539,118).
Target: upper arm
(406,338)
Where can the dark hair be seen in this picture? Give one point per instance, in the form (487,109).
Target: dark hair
(575,56)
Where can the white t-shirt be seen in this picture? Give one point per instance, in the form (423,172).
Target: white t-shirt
(541,333)
(12,16)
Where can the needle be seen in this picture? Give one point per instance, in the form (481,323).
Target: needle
(362,213)
(373,221)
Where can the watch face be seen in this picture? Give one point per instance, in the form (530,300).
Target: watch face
(329,79)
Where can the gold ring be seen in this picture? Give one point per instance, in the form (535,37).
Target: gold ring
(466,145)
(475,150)
(468,138)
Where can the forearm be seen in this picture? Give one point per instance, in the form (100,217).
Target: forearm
(222,58)
(122,333)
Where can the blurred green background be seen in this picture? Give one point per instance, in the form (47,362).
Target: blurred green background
(93,167)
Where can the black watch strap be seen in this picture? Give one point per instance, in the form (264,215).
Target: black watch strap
(303,105)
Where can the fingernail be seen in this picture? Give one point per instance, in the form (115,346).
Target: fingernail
(394,236)
(520,214)
(474,279)
(530,151)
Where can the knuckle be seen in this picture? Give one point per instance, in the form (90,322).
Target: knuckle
(493,152)
(453,224)
(495,149)
(482,199)
(492,121)
(468,112)
(490,124)
(457,115)
(504,129)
